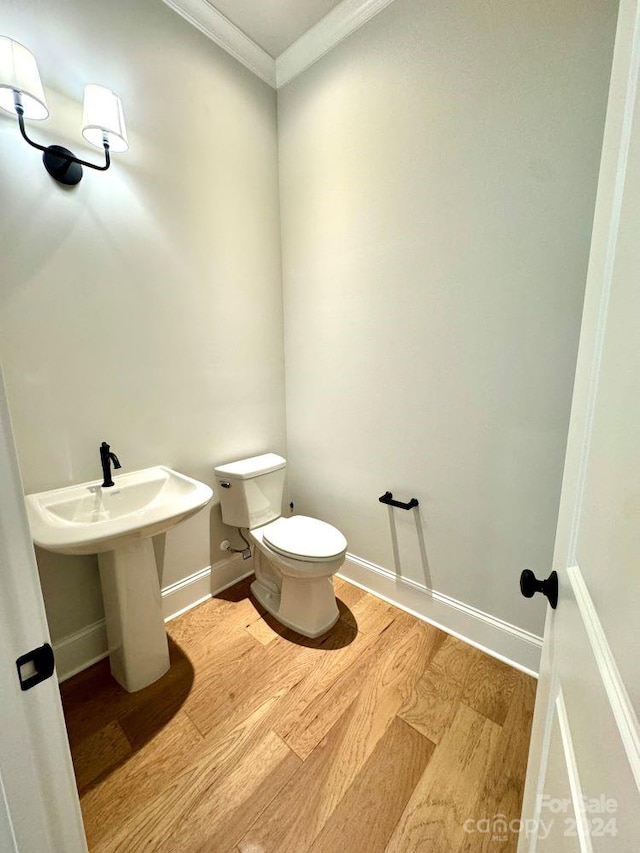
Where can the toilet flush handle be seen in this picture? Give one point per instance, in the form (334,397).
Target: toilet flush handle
(225,485)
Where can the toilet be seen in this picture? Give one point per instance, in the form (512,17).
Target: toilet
(295,558)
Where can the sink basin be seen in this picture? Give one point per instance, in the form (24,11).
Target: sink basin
(88,519)
(117,524)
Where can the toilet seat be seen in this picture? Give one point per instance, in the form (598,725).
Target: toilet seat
(304,538)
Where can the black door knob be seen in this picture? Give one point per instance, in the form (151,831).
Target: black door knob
(529,585)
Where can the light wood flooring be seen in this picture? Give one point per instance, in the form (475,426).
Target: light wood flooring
(384,735)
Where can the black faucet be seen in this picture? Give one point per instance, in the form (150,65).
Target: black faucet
(106,458)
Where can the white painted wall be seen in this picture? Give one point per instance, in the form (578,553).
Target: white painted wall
(437,175)
(144,306)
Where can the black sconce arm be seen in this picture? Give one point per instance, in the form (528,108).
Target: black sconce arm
(60,152)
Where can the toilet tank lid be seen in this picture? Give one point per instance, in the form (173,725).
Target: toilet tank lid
(244,469)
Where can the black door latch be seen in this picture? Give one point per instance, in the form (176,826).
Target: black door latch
(35,666)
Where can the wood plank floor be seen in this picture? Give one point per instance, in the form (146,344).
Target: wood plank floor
(384,735)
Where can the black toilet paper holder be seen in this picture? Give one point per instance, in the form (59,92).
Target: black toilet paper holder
(387,498)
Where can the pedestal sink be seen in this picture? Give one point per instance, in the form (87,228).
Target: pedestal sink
(116,523)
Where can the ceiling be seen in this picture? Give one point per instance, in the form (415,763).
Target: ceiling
(274,24)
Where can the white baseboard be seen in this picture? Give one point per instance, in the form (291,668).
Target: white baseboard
(500,639)
(87,646)
(494,636)
(79,650)
(198,587)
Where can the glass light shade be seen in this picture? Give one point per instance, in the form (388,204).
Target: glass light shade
(102,117)
(19,73)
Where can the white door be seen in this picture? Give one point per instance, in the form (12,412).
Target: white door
(583,781)
(39,808)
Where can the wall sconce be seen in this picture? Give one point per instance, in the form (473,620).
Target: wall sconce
(21,94)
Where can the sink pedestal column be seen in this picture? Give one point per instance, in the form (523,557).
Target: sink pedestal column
(138,649)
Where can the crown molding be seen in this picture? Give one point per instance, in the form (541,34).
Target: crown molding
(336,25)
(226,35)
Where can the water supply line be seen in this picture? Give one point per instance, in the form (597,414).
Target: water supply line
(246,551)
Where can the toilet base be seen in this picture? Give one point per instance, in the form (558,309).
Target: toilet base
(306,606)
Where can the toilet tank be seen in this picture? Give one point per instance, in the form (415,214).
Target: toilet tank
(251,490)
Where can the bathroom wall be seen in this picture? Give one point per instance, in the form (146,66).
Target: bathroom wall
(142,307)
(437,174)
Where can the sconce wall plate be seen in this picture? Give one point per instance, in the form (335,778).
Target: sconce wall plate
(61,165)
(22,94)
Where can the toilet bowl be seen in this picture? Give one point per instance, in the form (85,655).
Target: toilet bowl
(295,558)
(294,563)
